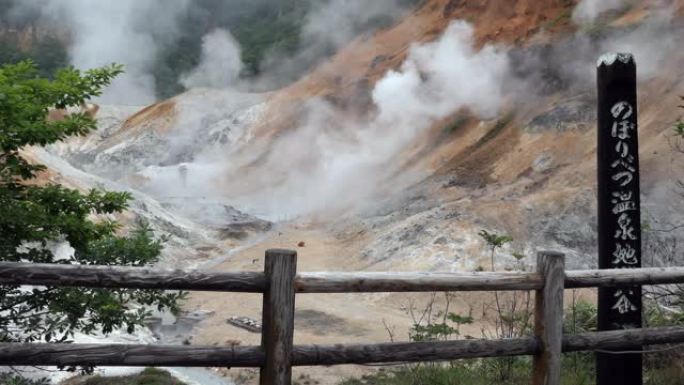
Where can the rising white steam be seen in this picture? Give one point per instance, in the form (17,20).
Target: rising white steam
(220,63)
(128,32)
(652,40)
(334,23)
(650,43)
(441,76)
(587,11)
(333,161)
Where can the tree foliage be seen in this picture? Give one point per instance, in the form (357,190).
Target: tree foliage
(259,26)
(49,54)
(34,217)
(14,379)
(494,241)
(263,28)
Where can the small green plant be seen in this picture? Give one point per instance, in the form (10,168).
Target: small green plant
(457,123)
(519,260)
(494,241)
(512,313)
(12,379)
(661,368)
(441,325)
(679,126)
(449,326)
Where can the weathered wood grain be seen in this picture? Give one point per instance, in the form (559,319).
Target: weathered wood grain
(253,356)
(623,277)
(368,282)
(548,319)
(354,282)
(129,355)
(623,339)
(12,273)
(128,277)
(278,317)
(320,355)
(412,351)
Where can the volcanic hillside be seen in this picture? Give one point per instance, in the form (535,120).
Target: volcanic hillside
(527,171)
(359,175)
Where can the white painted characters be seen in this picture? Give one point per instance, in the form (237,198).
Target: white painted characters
(622,110)
(624,254)
(624,200)
(622,129)
(623,304)
(625,230)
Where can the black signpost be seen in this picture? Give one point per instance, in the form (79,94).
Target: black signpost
(619,217)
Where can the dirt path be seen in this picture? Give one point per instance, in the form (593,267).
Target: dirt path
(321,318)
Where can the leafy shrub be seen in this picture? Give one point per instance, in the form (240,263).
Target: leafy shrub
(12,379)
(48,53)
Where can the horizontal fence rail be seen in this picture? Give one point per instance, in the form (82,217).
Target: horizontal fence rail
(279,282)
(352,282)
(128,278)
(317,355)
(575,279)
(343,282)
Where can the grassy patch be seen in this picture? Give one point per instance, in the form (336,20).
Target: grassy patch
(660,368)
(149,376)
(578,369)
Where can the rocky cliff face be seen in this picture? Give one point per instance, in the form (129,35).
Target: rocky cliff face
(415,198)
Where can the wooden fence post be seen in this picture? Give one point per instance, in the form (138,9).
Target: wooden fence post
(278,317)
(548,318)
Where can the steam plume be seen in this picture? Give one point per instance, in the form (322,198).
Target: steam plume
(334,161)
(129,32)
(587,11)
(220,64)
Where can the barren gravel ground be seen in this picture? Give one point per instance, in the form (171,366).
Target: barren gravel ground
(320,319)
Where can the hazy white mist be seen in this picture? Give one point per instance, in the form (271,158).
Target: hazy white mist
(587,11)
(128,32)
(330,158)
(336,161)
(220,63)
(328,27)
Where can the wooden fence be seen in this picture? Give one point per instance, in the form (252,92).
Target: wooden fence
(279,284)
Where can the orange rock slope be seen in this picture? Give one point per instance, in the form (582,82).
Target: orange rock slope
(500,164)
